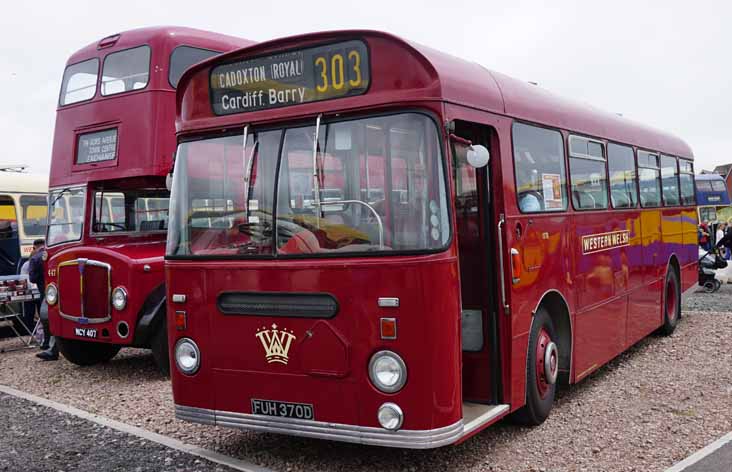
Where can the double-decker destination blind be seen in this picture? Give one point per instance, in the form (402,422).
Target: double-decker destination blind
(290,78)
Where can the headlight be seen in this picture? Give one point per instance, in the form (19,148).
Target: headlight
(187,356)
(51,294)
(387,371)
(119,298)
(390,416)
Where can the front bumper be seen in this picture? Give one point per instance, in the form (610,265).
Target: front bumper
(411,439)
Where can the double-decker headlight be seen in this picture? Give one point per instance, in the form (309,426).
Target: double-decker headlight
(387,371)
(51,294)
(119,298)
(187,356)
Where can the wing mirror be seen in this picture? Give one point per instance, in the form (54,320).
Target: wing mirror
(478,156)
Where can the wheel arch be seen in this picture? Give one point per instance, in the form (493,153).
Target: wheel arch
(151,316)
(556,305)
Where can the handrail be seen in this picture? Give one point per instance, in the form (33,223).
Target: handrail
(501,222)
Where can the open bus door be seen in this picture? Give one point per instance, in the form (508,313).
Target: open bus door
(475,232)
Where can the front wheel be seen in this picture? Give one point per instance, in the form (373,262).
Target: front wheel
(542,368)
(671,302)
(159,346)
(86,353)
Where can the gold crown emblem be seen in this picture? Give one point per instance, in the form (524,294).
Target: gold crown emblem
(276,343)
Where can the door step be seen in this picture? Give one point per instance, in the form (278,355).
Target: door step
(476,415)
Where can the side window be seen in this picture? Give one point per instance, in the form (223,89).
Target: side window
(587,173)
(686,181)
(126,70)
(538,155)
(184,57)
(649,177)
(669,180)
(623,178)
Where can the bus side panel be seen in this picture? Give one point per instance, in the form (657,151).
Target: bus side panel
(644,304)
(689,255)
(601,308)
(546,266)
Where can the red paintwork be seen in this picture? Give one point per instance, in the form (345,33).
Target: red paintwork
(614,297)
(145,145)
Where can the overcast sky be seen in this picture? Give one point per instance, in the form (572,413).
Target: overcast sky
(665,63)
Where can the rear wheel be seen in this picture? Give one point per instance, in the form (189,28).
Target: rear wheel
(542,368)
(86,353)
(671,302)
(159,346)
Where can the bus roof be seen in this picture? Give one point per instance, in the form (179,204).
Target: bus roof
(709,177)
(154,35)
(20,182)
(442,77)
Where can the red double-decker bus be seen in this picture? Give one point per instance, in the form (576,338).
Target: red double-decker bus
(372,241)
(108,202)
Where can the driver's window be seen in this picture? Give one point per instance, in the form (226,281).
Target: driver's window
(538,155)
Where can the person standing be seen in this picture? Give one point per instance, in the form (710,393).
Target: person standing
(704,241)
(719,234)
(35,274)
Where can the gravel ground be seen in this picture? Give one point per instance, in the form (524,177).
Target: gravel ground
(38,438)
(649,408)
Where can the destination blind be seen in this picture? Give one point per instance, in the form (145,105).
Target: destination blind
(290,78)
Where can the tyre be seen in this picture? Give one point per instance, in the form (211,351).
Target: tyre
(709,287)
(86,353)
(542,367)
(159,346)
(717,285)
(672,301)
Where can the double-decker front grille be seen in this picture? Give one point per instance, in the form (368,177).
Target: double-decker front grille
(84,287)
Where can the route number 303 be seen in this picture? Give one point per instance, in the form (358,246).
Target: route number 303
(333,72)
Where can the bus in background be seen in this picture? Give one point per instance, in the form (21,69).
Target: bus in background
(456,243)
(712,199)
(108,202)
(23,208)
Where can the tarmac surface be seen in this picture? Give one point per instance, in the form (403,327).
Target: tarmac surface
(39,438)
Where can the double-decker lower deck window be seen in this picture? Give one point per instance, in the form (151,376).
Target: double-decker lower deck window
(649,179)
(130,211)
(66,215)
(539,165)
(374,185)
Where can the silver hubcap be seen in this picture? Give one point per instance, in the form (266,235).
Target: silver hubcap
(551,363)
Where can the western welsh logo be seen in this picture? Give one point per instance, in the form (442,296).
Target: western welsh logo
(276,343)
(593,243)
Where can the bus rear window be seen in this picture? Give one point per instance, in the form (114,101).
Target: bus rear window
(79,82)
(126,70)
(184,57)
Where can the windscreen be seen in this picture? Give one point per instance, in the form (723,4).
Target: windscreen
(34,211)
(374,185)
(66,212)
(127,211)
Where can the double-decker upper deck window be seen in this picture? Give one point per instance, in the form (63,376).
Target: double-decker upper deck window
(588,173)
(538,155)
(126,70)
(669,180)
(623,178)
(184,57)
(686,181)
(650,179)
(79,82)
